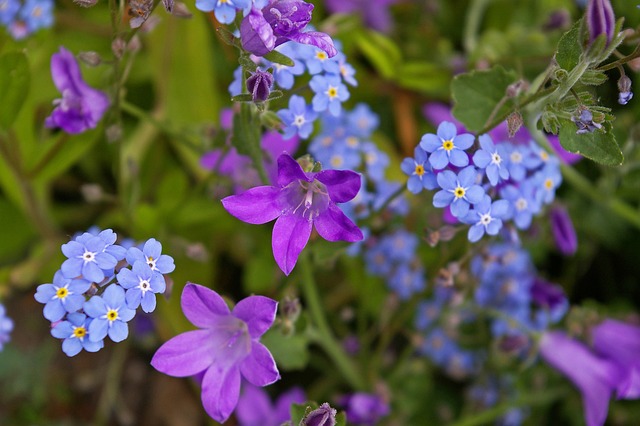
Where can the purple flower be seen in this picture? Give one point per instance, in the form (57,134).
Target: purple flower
(225,347)
(110,315)
(600,19)
(364,408)
(447,147)
(595,377)
(259,84)
(81,106)
(255,408)
(63,296)
(299,201)
(620,342)
(280,21)
(75,332)
(563,231)
(324,415)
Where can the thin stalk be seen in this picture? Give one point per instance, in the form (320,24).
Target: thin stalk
(325,337)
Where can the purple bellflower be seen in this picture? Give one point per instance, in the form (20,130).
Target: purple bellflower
(255,407)
(364,408)
(595,377)
(81,106)
(280,21)
(620,342)
(300,201)
(225,347)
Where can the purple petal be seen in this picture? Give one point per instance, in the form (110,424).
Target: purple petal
(258,312)
(259,368)
(334,225)
(290,236)
(256,34)
(201,305)
(317,39)
(289,170)
(254,406)
(256,206)
(185,354)
(220,391)
(342,185)
(65,71)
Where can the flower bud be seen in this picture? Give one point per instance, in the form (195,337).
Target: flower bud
(259,85)
(90,58)
(563,232)
(624,86)
(321,416)
(600,19)
(86,3)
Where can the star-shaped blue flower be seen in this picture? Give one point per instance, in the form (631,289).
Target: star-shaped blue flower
(64,295)
(447,147)
(110,315)
(419,171)
(458,191)
(75,332)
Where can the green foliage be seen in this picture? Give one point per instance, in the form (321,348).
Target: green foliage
(597,145)
(479,96)
(290,352)
(14,85)
(569,48)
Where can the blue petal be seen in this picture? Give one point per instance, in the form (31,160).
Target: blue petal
(71,347)
(54,311)
(98,329)
(439,159)
(118,331)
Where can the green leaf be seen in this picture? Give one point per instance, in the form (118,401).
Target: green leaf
(279,58)
(245,97)
(593,77)
(289,352)
(14,84)
(477,94)
(341,419)
(424,77)
(381,51)
(298,412)
(17,236)
(597,146)
(569,48)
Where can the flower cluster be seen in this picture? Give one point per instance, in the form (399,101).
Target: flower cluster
(494,183)
(6,326)
(22,18)
(94,294)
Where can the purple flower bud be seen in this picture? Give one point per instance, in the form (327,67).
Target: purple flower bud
(600,19)
(321,416)
(563,232)
(364,408)
(259,84)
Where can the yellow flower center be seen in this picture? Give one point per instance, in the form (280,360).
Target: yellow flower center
(544,155)
(322,56)
(112,315)
(447,145)
(419,170)
(62,292)
(352,141)
(548,184)
(79,332)
(332,92)
(459,192)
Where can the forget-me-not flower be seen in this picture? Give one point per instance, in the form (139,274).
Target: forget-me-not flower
(419,171)
(447,146)
(110,315)
(458,191)
(486,217)
(64,295)
(298,118)
(75,334)
(151,254)
(491,158)
(6,326)
(330,92)
(224,10)
(141,284)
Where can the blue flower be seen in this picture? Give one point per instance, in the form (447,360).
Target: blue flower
(491,159)
(141,284)
(110,315)
(486,217)
(235,88)
(406,281)
(151,254)
(298,119)
(519,161)
(224,10)
(8,11)
(317,61)
(438,346)
(375,160)
(420,173)
(447,147)
(523,203)
(458,191)
(347,71)
(427,313)
(361,121)
(285,75)
(329,94)
(37,14)
(87,259)
(75,331)
(6,326)
(63,296)
(546,182)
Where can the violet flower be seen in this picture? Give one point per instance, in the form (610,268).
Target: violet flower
(600,19)
(81,106)
(563,231)
(281,21)
(364,408)
(225,347)
(298,202)
(595,377)
(255,407)
(620,342)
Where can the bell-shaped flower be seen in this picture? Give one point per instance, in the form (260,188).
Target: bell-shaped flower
(224,349)
(81,106)
(595,377)
(300,201)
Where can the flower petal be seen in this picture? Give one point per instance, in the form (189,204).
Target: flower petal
(342,185)
(256,206)
(334,225)
(220,391)
(258,312)
(201,305)
(185,354)
(259,368)
(290,235)
(289,170)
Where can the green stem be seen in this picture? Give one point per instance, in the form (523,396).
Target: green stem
(109,396)
(536,96)
(490,415)
(325,337)
(621,61)
(475,12)
(50,155)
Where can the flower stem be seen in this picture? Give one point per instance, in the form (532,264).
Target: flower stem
(325,338)
(473,20)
